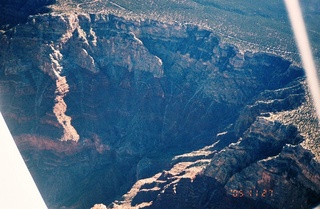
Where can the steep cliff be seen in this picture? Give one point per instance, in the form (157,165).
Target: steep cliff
(96,102)
(269,166)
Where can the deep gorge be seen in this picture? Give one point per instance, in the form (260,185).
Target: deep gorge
(141,92)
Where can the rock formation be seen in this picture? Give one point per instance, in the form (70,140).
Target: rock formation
(266,168)
(98,103)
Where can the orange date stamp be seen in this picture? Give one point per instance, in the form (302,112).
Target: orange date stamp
(239,193)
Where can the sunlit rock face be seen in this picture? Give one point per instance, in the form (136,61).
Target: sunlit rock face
(266,168)
(97,102)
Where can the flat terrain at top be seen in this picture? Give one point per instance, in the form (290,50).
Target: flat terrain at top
(251,25)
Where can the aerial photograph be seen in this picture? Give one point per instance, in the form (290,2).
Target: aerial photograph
(159,104)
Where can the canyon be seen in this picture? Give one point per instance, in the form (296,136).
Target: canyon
(139,113)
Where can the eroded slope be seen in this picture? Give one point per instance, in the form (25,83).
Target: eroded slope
(112,100)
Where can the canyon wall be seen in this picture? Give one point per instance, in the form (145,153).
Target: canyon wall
(99,103)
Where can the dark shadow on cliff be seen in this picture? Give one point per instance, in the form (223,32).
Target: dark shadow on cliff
(15,12)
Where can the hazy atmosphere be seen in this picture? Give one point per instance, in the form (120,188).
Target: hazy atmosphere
(160,104)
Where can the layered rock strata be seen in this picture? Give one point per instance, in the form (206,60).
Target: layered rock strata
(139,93)
(267,167)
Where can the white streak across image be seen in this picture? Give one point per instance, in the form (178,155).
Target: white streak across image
(303,44)
(17,188)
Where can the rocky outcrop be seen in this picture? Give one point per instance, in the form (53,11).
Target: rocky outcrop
(266,168)
(99,206)
(60,108)
(112,100)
